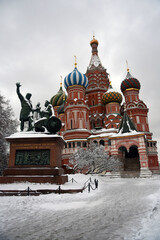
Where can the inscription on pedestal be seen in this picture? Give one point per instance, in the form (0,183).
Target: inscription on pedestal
(32,157)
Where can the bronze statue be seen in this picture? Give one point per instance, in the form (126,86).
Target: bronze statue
(47,120)
(26,114)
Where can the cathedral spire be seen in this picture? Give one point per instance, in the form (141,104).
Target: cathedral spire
(95,60)
(128,72)
(127,66)
(126,125)
(94,45)
(75,61)
(60,81)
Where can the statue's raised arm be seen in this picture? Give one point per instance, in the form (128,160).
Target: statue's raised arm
(18,92)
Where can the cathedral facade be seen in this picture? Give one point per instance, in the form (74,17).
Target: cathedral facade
(93,112)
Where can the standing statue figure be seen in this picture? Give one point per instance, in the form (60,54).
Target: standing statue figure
(26,114)
(37,111)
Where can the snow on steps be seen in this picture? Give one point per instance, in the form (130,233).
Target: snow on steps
(130,174)
(156,172)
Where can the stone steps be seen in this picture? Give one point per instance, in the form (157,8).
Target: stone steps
(130,174)
(33,171)
(143,173)
(34,175)
(34,179)
(156,171)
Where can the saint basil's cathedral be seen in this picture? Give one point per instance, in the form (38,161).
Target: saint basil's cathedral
(93,112)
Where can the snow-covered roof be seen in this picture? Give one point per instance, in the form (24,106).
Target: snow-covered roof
(78,130)
(102,135)
(77,140)
(132,133)
(103,130)
(114,135)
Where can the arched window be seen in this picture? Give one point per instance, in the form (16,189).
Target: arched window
(95,142)
(84,144)
(92,124)
(133,152)
(102,142)
(103,122)
(122,151)
(98,122)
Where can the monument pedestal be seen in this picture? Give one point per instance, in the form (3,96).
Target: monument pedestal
(35,157)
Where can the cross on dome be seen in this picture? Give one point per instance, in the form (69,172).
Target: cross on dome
(127,66)
(61,81)
(75,61)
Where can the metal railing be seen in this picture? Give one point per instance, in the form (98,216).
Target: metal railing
(89,184)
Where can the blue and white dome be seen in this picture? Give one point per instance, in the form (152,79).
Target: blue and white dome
(75,78)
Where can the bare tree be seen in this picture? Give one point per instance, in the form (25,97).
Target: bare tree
(8,125)
(94,159)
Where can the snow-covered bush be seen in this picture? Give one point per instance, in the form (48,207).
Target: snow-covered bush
(94,159)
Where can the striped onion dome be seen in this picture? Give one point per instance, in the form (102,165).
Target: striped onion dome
(75,78)
(59,98)
(60,109)
(130,82)
(111,96)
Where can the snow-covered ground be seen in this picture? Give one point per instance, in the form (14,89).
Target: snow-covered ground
(120,209)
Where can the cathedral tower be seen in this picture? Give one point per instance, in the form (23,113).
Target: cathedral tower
(112,100)
(76,111)
(136,108)
(138,112)
(98,83)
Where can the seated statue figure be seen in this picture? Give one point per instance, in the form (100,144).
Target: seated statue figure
(26,113)
(41,124)
(47,121)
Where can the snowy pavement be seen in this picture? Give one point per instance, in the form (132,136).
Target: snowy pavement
(121,209)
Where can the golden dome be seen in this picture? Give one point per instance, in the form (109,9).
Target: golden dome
(93,41)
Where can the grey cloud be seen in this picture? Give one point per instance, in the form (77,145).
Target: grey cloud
(38,41)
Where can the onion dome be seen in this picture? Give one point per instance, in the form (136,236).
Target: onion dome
(111,96)
(75,78)
(60,109)
(93,41)
(130,82)
(59,98)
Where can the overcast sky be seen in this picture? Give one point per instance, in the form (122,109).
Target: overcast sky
(39,38)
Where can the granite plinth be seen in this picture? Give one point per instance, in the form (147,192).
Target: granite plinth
(35,158)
